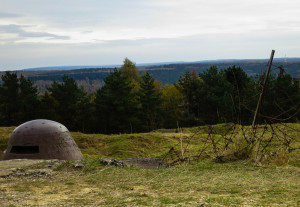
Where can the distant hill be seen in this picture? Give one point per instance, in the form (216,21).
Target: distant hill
(171,72)
(50,68)
(91,77)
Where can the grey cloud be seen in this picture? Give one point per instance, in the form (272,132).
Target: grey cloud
(56,37)
(87,32)
(8,15)
(18,29)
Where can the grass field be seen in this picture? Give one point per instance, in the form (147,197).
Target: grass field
(204,183)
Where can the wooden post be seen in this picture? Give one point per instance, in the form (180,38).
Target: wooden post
(261,94)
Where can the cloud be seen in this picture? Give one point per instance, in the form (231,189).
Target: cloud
(87,32)
(18,29)
(113,20)
(104,32)
(8,15)
(193,48)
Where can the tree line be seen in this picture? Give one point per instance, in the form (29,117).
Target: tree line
(129,102)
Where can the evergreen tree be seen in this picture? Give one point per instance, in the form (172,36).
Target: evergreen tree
(67,95)
(217,107)
(116,105)
(191,88)
(150,100)
(18,100)
(242,94)
(28,100)
(281,99)
(48,107)
(184,86)
(9,92)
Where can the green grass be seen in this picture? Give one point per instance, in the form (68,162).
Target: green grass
(125,145)
(5,133)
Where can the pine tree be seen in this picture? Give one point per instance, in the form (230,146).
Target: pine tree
(66,95)
(28,100)
(116,105)
(243,88)
(150,99)
(191,88)
(18,100)
(48,107)
(9,92)
(281,99)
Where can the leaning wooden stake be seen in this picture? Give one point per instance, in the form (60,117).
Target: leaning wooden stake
(181,141)
(261,96)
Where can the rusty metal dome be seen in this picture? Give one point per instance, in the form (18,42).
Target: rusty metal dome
(42,139)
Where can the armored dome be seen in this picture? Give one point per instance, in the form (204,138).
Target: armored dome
(42,139)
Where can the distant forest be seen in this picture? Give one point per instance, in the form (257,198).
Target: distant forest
(128,100)
(91,79)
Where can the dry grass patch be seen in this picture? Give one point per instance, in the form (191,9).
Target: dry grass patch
(231,184)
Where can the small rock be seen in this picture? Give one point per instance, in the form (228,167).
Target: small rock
(146,163)
(203,205)
(20,170)
(219,159)
(114,162)
(78,165)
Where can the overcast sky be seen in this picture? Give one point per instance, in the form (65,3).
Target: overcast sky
(35,33)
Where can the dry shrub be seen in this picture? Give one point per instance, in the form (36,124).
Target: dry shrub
(278,158)
(266,144)
(238,150)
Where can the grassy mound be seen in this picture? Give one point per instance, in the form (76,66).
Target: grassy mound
(222,142)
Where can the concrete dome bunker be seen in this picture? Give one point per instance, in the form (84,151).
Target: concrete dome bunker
(42,139)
